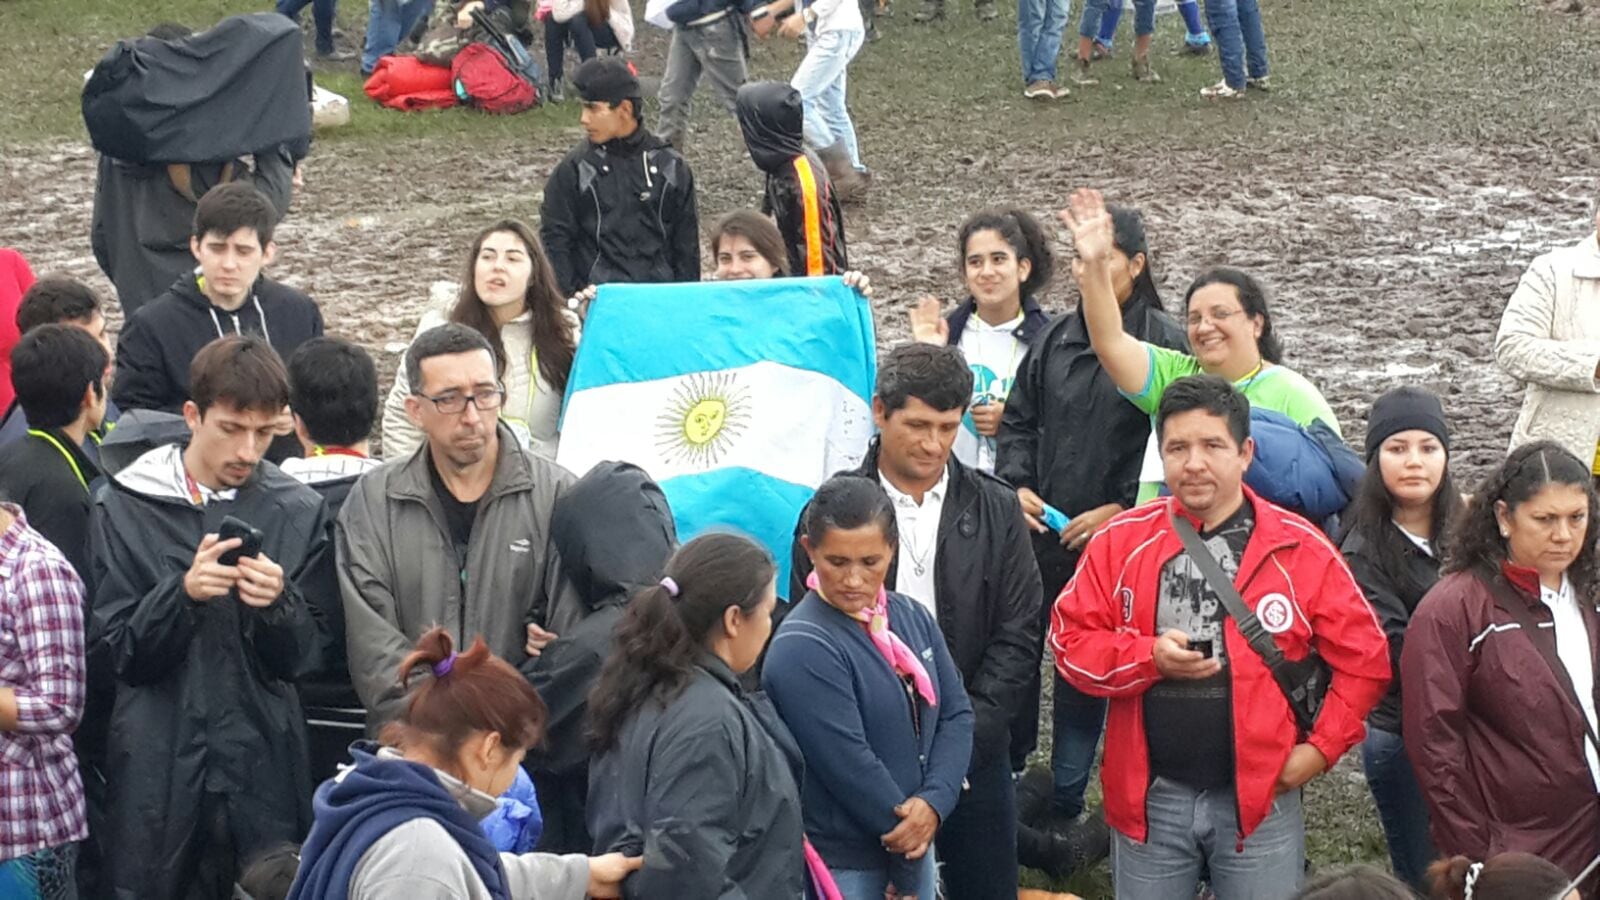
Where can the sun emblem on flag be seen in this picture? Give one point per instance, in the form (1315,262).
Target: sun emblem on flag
(707,413)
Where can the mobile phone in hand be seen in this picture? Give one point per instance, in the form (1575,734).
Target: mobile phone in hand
(249,536)
(1205,648)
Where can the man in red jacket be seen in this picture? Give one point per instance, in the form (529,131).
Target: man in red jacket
(1204,761)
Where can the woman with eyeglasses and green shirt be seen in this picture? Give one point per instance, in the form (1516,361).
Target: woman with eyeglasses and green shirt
(508,294)
(1228,325)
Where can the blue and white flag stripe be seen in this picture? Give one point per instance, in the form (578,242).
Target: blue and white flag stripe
(739,398)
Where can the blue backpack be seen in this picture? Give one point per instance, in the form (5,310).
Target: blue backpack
(1309,470)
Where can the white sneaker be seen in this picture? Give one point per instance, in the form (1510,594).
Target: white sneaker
(1220,91)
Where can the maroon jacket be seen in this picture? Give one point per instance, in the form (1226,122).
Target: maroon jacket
(1496,744)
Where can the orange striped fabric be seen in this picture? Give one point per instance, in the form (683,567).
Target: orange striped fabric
(811,199)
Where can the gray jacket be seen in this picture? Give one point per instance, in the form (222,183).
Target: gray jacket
(399,575)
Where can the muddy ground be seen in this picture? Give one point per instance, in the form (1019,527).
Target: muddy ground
(1387,262)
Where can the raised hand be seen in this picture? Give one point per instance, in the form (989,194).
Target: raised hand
(927,323)
(1090,224)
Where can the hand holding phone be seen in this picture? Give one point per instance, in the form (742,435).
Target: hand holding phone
(249,537)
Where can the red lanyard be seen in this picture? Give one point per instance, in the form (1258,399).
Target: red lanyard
(320,450)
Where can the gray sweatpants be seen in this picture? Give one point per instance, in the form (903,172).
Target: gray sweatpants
(715,49)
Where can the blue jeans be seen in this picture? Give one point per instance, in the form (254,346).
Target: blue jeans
(1241,39)
(1078,720)
(1190,830)
(1190,10)
(870,884)
(586,39)
(388,23)
(1102,15)
(821,81)
(322,12)
(1401,809)
(1040,24)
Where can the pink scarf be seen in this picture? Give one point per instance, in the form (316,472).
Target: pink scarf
(900,657)
(821,879)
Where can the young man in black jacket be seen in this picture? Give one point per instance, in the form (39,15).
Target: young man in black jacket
(60,300)
(333,392)
(964,552)
(232,241)
(207,762)
(60,375)
(799,195)
(621,206)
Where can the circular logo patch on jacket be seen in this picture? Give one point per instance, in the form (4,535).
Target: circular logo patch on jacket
(1276,613)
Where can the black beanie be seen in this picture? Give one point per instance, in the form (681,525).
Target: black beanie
(606,79)
(1405,409)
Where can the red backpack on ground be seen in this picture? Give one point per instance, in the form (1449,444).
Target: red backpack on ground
(484,78)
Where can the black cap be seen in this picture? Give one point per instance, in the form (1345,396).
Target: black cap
(606,79)
(1405,409)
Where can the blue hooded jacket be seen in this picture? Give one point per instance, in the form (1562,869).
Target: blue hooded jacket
(365,803)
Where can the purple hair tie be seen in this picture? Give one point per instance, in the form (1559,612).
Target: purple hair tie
(670,585)
(443,666)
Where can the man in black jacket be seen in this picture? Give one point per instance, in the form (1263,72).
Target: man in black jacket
(614,532)
(60,300)
(333,391)
(621,206)
(232,241)
(207,758)
(799,194)
(60,375)
(964,553)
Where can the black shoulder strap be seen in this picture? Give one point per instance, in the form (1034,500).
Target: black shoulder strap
(1514,604)
(1249,625)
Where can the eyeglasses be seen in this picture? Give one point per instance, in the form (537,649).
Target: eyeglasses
(1217,318)
(454,404)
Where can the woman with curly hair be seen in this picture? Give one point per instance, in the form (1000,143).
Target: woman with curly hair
(1499,669)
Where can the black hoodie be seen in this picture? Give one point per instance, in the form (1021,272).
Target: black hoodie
(160,340)
(614,532)
(799,195)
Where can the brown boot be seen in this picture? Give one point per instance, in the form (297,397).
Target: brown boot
(849,184)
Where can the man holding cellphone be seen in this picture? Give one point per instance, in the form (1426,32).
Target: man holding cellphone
(207,763)
(1204,755)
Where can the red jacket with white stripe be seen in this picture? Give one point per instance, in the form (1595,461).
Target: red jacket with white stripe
(1103,635)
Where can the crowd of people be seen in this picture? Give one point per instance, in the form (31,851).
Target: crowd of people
(231,637)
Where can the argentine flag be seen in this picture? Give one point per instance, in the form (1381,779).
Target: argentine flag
(738,397)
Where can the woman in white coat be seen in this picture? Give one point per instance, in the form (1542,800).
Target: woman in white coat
(509,294)
(1550,340)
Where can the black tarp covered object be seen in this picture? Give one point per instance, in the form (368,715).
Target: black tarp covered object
(233,90)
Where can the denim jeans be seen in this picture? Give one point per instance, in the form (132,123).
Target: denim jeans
(1241,39)
(1401,809)
(1190,830)
(1040,24)
(978,843)
(821,81)
(388,23)
(586,40)
(716,50)
(1195,36)
(1078,721)
(322,13)
(870,884)
(1097,12)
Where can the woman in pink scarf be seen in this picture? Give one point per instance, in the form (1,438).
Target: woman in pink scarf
(864,680)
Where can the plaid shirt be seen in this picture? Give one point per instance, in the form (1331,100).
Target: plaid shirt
(41,659)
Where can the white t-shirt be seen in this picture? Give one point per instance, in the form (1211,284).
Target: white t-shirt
(919,539)
(993,353)
(1572,648)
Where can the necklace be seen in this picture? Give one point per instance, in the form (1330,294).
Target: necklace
(919,561)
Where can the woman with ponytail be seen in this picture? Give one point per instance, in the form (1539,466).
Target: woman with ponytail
(864,679)
(1499,668)
(403,822)
(693,772)
(1069,439)
(1509,876)
(1005,262)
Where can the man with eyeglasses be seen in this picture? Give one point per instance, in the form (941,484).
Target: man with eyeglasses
(456,533)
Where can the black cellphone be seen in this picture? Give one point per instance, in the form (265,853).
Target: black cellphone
(1204,647)
(249,536)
